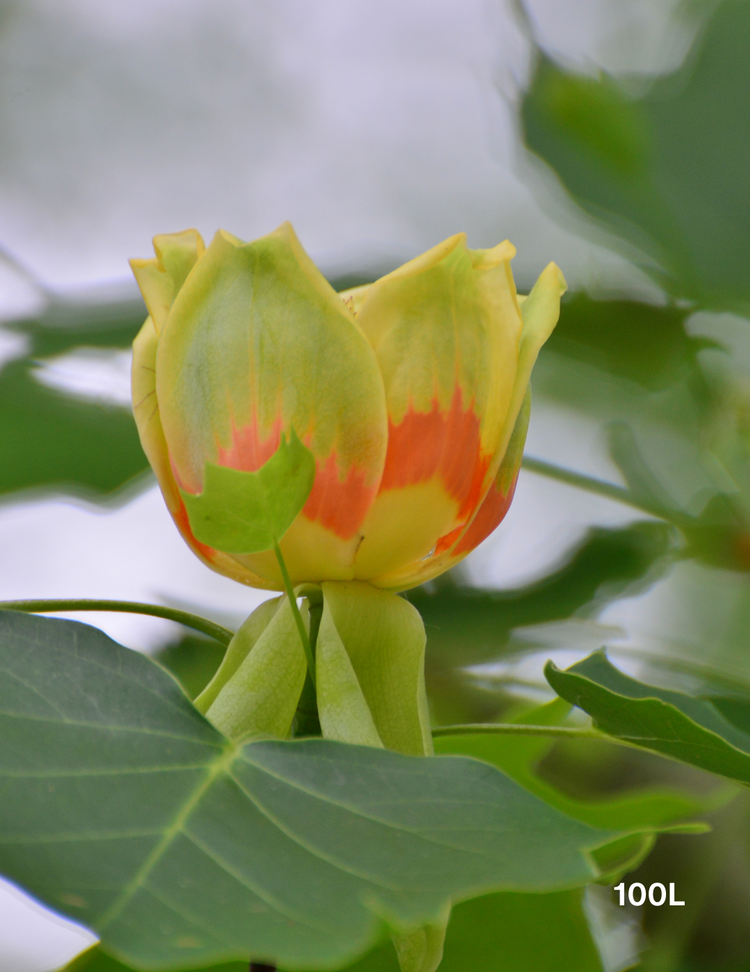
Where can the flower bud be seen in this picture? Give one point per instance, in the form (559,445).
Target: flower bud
(409,393)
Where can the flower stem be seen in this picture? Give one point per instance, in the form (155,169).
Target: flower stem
(617,493)
(222,635)
(295,611)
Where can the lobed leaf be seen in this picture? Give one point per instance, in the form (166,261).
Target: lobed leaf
(122,807)
(543,932)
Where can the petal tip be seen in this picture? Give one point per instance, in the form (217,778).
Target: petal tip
(553,270)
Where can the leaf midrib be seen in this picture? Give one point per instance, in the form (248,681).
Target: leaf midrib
(219,766)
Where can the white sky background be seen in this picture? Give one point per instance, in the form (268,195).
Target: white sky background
(377,128)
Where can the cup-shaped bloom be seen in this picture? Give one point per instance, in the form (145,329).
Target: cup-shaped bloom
(411,393)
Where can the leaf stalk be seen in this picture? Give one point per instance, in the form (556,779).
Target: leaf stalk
(48,606)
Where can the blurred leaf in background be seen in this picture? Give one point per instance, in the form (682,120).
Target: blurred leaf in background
(50,438)
(665,169)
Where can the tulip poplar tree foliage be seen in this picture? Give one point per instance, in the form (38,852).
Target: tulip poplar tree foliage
(328,787)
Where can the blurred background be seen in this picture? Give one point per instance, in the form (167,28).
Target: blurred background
(611,136)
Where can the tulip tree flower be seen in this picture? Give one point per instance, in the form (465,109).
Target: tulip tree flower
(340,448)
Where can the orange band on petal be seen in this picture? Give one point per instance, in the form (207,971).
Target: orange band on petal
(248,451)
(339,506)
(489,515)
(447,445)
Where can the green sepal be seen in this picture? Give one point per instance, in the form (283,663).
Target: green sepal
(342,708)
(237,650)
(384,641)
(248,512)
(261,696)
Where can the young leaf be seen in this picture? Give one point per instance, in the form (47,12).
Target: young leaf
(126,810)
(712,733)
(247,512)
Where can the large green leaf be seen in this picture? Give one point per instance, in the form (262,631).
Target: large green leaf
(50,439)
(96,960)
(125,809)
(511,932)
(712,733)
(667,171)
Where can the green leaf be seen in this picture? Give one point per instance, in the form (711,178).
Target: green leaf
(125,809)
(712,733)
(546,933)
(643,343)
(50,439)
(653,808)
(524,932)
(246,512)
(665,171)
(509,933)
(96,960)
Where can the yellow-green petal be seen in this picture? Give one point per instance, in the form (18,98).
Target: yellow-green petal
(161,278)
(257,343)
(148,422)
(446,331)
